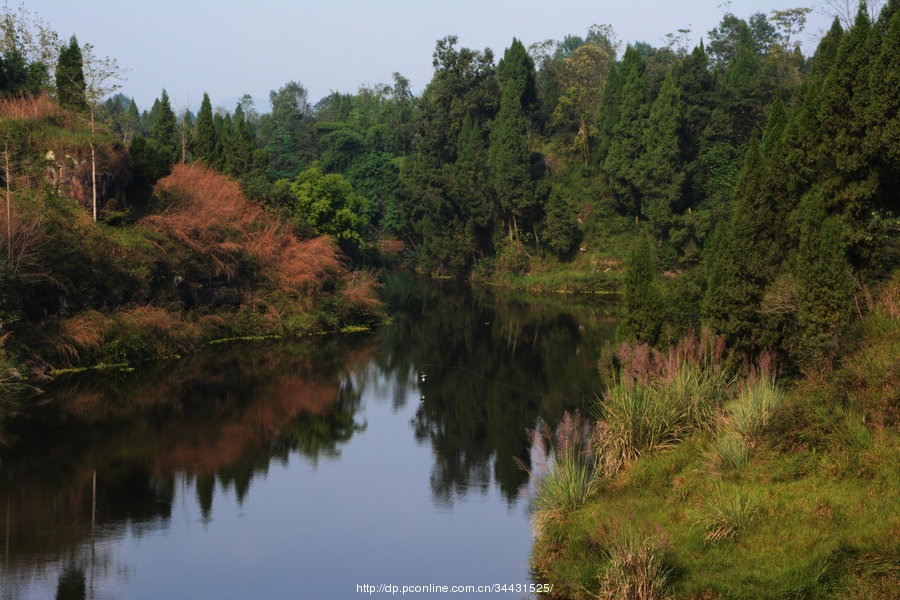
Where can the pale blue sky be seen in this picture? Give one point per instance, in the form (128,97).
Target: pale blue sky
(229,48)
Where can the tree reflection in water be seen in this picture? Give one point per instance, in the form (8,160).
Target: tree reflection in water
(485,368)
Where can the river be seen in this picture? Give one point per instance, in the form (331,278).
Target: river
(304,469)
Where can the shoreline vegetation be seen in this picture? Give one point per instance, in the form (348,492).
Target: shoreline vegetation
(739,189)
(696,482)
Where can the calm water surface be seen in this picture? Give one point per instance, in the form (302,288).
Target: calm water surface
(299,470)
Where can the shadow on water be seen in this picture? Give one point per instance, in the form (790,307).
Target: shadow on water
(487,368)
(109,453)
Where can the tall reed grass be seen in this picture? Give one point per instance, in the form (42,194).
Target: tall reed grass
(564,477)
(753,407)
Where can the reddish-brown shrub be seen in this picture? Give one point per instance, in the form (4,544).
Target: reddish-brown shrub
(210,215)
(29,107)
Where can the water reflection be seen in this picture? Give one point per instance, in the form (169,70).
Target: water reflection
(487,368)
(111,459)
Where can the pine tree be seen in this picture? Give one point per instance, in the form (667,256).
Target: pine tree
(642,300)
(561,234)
(516,70)
(206,132)
(661,172)
(164,128)
(823,283)
(472,190)
(626,147)
(509,160)
(70,86)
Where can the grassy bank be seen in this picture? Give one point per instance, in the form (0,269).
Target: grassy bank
(588,274)
(706,486)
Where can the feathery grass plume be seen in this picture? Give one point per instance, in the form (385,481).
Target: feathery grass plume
(728,513)
(637,569)
(564,480)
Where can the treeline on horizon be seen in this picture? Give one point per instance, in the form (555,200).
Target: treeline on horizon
(765,179)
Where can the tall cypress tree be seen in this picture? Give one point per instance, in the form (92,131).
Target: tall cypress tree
(509,158)
(661,172)
(622,164)
(206,132)
(516,70)
(823,282)
(70,86)
(164,128)
(642,301)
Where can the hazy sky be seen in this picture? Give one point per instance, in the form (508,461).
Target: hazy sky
(229,48)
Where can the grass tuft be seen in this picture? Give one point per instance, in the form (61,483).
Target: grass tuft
(728,513)
(637,569)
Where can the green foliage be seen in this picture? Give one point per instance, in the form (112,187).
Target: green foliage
(637,565)
(752,409)
(623,159)
(561,233)
(151,163)
(823,283)
(464,83)
(328,205)
(662,174)
(509,162)
(728,513)
(642,300)
(164,129)
(205,136)
(70,85)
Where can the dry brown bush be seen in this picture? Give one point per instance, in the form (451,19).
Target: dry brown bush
(210,215)
(31,107)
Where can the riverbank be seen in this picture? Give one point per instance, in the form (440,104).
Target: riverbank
(587,274)
(807,505)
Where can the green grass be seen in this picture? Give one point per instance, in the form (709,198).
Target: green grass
(752,410)
(791,491)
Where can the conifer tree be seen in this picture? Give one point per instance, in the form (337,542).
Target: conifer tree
(206,132)
(661,172)
(642,300)
(823,282)
(622,164)
(609,111)
(70,85)
(561,234)
(472,191)
(516,70)
(509,160)
(164,128)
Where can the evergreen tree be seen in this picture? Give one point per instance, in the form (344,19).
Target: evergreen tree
(561,234)
(516,70)
(642,300)
(661,172)
(206,137)
(70,86)
(609,112)
(622,164)
(823,282)
(164,128)
(509,159)
(471,190)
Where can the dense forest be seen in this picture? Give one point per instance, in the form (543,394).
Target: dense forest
(739,189)
(765,180)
